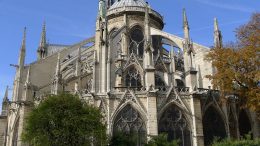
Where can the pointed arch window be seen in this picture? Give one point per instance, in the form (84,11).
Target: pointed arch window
(175,125)
(129,123)
(159,81)
(213,125)
(112,2)
(133,78)
(136,45)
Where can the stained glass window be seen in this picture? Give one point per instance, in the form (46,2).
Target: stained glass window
(136,45)
(159,81)
(129,123)
(133,78)
(213,126)
(175,125)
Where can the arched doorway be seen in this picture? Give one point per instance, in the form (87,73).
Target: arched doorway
(174,123)
(213,126)
(130,124)
(244,123)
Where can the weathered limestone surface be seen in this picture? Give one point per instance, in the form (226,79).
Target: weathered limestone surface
(125,69)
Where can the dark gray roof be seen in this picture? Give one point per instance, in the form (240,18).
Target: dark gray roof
(54,48)
(122,3)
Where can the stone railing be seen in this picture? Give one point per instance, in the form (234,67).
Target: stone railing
(132,8)
(160,89)
(135,89)
(182,90)
(166,60)
(205,93)
(163,89)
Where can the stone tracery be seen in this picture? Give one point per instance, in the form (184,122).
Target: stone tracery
(174,123)
(130,122)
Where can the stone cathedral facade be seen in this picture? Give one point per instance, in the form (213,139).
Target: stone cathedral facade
(127,71)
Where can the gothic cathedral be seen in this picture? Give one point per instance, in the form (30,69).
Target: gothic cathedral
(144,80)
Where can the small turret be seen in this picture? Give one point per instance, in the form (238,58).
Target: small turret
(42,49)
(78,72)
(102,9)
(19,71)
(186,27)
(189,52)
(172,57)
(22,51)
(148,56)
(217,35)
(57,87)
(147,26)
(28,93)
(5,102)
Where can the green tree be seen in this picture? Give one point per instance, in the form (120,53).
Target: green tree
(162,140)
(238,65)
(121,139)
(247,141)
(64,120)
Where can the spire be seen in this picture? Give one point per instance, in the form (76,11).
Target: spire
(189,52)
(216,24)
(186,27)
(43,35)
(24,39)
(5,103)
(22,50)
(147,14)
(5,99)
(185,19)
(217,35)
(20,69)
(146,21)
(42,46)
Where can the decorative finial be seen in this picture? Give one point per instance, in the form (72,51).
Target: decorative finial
(216,28)
(27,83)
(185,19)
(217,35)
(43,35)
(24,39)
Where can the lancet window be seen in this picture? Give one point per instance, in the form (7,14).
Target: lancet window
(159,81)
(129,122)
(136,45)
(112,2)
(133,78)
(176,126)
(213,125)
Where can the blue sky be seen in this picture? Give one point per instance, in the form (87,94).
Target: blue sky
(69,21)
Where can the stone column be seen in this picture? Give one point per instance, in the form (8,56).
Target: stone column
(23,113)
(197,131)
(152,125)
(255,124)
(191,79)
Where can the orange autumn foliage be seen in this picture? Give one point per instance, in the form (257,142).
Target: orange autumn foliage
(238,66)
